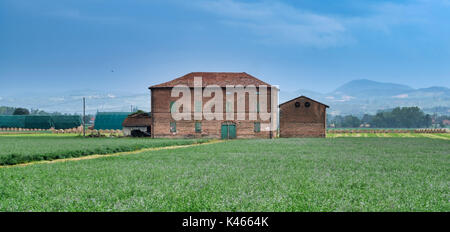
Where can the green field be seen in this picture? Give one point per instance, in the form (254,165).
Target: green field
(334,174)
(390,135)
(34,147)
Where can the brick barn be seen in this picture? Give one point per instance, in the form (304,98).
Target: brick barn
(138,121)
(164,126)
(302,117)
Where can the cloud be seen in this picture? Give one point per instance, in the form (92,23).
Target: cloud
(386,16)
(401,96)
(276,22)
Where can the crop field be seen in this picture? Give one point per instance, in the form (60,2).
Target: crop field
(16,149)
(333,174)
(390,135)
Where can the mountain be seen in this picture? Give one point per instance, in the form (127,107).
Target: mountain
(367,88)
(358,97)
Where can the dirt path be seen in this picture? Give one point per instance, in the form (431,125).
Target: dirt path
(95,156)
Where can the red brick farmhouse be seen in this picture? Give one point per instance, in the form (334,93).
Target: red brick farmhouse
(164,126)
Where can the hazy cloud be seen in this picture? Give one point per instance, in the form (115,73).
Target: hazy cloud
(278,22)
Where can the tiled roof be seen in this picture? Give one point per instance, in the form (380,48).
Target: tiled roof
(304,98)
(221,79)
(138,120)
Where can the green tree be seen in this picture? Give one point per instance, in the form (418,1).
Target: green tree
(21,111)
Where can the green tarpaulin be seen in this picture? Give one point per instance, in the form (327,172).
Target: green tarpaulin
(12,121)
(66,122)
(39,121)
(110,120)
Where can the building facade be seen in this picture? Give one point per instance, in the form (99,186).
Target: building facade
(302,117)
(165,126)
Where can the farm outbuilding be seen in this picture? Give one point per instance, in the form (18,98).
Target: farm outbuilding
(302,117)
(109,120)
(137,122)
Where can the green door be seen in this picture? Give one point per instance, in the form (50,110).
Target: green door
(232,131)
(228,131)
(224,131)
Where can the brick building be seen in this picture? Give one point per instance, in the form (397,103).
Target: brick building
(164,125)
(302,117)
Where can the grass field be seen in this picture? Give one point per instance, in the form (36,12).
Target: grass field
(25,148)
(339,174)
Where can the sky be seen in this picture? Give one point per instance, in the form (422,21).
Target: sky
(65,45)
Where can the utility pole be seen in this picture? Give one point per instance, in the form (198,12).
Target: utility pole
(84,117)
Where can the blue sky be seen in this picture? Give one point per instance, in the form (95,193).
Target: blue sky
(129,45)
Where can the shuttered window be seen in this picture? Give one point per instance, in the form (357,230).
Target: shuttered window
(198,106)
(198,127)
(173,127)
(229,107)
(257,127)
(171,106)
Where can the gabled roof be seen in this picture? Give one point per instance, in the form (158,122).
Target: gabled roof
(304,98)
(143,119)
(221,79)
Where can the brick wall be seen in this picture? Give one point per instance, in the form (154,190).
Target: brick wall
(302,121)
(161,118)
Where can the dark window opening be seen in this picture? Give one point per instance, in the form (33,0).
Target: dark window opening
(307,104)
(257,127)
(198,127)
(297,104)
(173,127)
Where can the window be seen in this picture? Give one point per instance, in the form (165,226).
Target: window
(198,106)
(297,104)
(171,106)
(198,127)
(229,107)
(257,127)
(307,104)
(173,127)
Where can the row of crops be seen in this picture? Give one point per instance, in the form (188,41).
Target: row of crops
(40,121)
(431,131)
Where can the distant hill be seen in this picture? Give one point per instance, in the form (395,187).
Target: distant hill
(368,88)
(365,96)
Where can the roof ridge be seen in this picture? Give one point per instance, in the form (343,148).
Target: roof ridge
(302,96)
(220,78)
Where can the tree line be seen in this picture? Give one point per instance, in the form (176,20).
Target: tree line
(7,110)
(400,117)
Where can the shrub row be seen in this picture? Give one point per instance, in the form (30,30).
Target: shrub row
(17,158)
